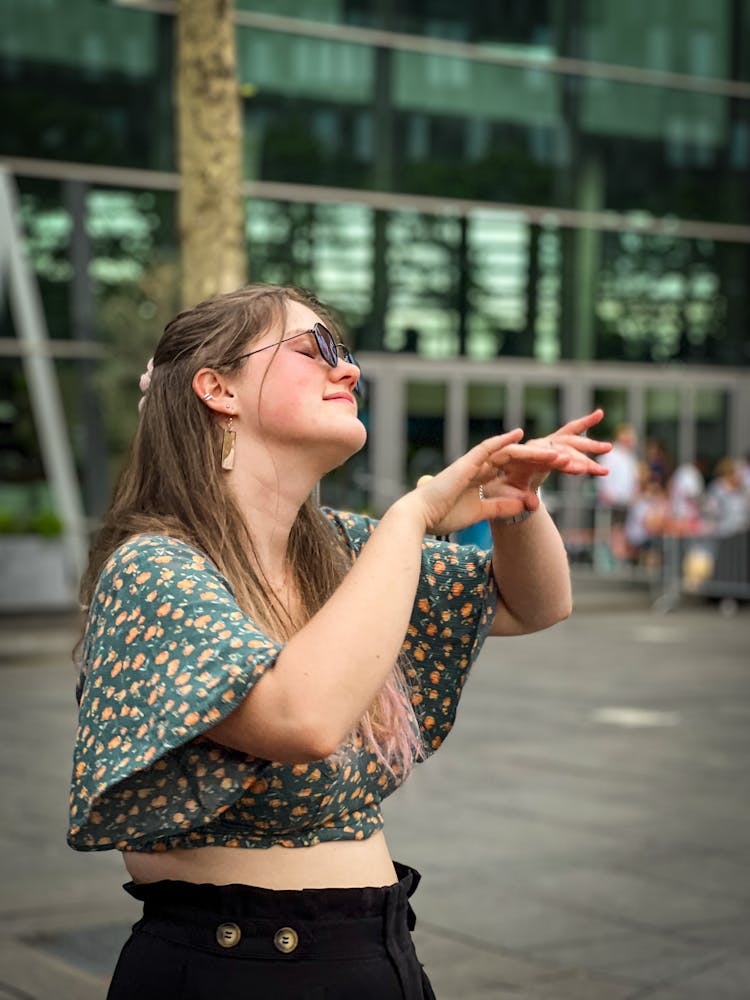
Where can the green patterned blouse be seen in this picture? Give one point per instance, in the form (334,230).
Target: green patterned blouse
(167,654)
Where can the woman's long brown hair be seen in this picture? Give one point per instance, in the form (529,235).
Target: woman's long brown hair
(173,484)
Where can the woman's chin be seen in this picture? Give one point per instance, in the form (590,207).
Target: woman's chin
(347,445)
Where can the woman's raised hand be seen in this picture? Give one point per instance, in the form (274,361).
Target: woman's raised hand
(509,473)
(451,501)
(572,450)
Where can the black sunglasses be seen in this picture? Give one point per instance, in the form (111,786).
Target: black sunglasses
(330,350)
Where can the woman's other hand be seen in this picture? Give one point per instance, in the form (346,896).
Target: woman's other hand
(451,500)
(572,449)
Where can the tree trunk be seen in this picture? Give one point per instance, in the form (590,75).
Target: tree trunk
(209,126)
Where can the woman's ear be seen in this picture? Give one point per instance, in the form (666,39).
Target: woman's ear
(213,391)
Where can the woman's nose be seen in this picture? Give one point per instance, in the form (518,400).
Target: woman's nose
(346,371)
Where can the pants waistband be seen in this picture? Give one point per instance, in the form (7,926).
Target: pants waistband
(290,924)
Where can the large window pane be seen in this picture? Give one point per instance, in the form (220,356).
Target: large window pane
(672,36)
(425,430)
(486,411)
(541,406)
(712,426)
(662,425)
(614,402)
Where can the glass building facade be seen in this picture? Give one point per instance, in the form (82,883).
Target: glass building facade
(563,181)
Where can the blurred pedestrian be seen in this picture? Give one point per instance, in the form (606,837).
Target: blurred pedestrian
(720,559)
(727,500)
(646,520)
(657,461)
(686,497)
(620,486)
(618,490)
(745,472)
(257,674)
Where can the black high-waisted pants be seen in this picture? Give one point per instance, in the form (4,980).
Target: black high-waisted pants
(238,942)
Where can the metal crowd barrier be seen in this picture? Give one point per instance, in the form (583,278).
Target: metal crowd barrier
(677,564)
(594,541)
(710,566)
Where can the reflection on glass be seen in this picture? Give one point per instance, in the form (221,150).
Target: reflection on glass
(662,424)
(541,408)
(614,402)
(523,28)
(470,128)
(425,429)
(670,37)
(486,411)
(712,427)
(660,298)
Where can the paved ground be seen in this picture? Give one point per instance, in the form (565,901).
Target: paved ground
(583,835)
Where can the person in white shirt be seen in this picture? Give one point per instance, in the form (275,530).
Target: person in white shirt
(686,489)
(618,489)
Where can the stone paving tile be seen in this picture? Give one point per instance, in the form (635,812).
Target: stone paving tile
(725,874)
(27,973)
(581,985)
(505,921)
(634,898)
(727,979)
(731,935)
(94,949)
(459,970)
(51,922)
(458,974)
(637,957)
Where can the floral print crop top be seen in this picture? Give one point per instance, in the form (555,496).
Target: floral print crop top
(167,654)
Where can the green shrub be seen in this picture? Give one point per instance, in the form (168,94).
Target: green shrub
(44,523)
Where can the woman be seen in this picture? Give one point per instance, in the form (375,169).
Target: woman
(255,679)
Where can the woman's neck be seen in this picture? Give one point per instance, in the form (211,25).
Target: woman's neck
(269,509)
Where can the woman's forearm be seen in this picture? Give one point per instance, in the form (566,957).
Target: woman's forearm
(530,566)
(328,673)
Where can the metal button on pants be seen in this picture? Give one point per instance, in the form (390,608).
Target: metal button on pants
(286,940)
(228,935)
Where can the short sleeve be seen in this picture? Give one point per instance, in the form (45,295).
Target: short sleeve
(453,612)
(167,654)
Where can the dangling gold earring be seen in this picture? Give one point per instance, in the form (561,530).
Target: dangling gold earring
(227,446)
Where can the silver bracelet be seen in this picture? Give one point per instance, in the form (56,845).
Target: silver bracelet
(516,518)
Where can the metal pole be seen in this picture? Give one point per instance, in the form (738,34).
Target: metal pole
(82,317)
(44,392)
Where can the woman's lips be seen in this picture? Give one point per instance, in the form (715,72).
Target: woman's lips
(340,398)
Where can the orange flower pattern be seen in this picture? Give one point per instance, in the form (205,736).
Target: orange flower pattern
(167,654)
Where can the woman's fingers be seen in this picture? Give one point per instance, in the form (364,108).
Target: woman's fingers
(582,424)
(572,442)
(579,464)
(533,453)
(553,452)
(523,462)
(594,469)
(471,467)
(485,461)
(494,445)
(581,443)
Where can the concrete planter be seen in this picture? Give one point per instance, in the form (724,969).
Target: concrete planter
(35,575)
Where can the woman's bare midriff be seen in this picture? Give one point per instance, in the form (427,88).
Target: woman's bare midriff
(340,864)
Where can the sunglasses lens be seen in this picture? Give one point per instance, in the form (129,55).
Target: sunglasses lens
(326,344)
(331,352)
